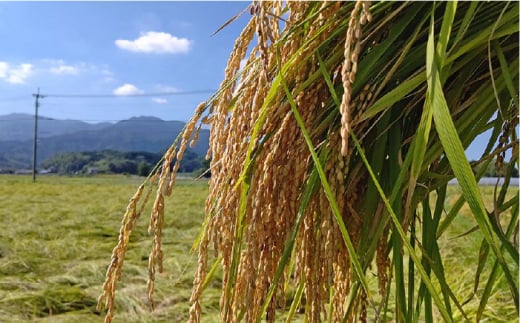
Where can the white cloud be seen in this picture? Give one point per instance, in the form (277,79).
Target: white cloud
(160,100)
(65,69)
(127,89)
(60,67)
(15,75)
(155,42)
(4,68)
(18,75)
(44,70)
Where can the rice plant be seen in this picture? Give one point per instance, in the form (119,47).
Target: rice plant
(326,149)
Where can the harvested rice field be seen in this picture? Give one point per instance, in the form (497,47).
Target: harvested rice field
(58,235)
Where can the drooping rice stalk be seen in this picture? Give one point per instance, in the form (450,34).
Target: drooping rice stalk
(325,148)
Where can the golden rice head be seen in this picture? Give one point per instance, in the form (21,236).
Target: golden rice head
(229,162)
(155,258)
(257,226)
(264,33)
(280,169)
(221,205)
(266,227)
(156,223)
(118,254)
(166,180)
(277,10)
(348,187)
(341,270)
(311,269)
(359,15)
(195,311)
(233,159)
(219,107)
(266,190)
(336,273)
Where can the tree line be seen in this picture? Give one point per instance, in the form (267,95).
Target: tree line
(116,162)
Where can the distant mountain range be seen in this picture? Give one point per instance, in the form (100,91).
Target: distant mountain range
(146,134)
(20,126)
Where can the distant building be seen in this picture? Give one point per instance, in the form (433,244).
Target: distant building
(92,171)
(47,171)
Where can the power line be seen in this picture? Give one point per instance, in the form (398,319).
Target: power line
(171,93)
(13,99)
(82,120)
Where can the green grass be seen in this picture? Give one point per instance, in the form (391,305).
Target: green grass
(58,234)
(56,242)
(459,248)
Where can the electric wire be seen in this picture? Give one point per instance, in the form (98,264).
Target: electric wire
(171,93)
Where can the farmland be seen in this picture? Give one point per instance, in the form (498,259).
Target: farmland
(58,235)
(56,242)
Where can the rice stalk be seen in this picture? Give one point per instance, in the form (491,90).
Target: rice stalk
(325,148)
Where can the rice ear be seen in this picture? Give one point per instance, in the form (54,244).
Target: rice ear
(313,143)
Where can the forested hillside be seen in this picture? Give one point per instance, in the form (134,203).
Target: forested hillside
(110,161)
(143,134)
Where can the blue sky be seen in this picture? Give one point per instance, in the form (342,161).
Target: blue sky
(116,48)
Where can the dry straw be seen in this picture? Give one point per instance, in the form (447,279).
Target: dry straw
(292,212)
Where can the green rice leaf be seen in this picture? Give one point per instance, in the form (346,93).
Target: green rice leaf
(444,35)
(394,96)
(399,230)
(455,153)
(296,302)
(211,273)
(420,142)
(508,25)
(504,68)
(464,25)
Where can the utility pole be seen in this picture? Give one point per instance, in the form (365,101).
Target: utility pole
(36,105)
